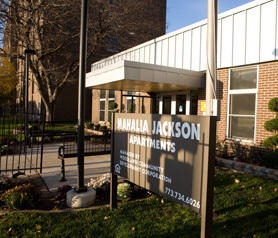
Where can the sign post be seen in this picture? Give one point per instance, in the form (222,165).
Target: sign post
(81,88)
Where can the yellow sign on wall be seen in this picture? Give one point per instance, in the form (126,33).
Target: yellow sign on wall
(203,106)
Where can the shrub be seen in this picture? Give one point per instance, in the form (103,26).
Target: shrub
(273,105)
(113,106)
(96,127)
(272,125)
(270,160)
(124,190)
(89,125)
(19,197)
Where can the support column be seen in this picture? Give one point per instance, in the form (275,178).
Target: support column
(211,56)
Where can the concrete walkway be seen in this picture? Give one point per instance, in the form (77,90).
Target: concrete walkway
(94,166)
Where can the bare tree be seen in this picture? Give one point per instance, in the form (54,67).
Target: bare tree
(51,28)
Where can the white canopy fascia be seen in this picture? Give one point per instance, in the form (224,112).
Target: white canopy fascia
(141,77)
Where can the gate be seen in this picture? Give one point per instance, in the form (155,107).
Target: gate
(21,143)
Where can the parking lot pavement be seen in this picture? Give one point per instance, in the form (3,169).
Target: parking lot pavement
(94,166)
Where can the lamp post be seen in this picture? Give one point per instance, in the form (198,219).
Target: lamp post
(81,90)
(27,53)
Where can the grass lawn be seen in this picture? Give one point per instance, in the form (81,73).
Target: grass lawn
(244,206)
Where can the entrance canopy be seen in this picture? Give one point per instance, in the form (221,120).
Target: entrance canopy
(142,77)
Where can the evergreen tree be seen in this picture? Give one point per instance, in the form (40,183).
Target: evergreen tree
(272,126)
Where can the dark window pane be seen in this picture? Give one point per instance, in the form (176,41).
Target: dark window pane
(102,93)
(102,105)
(131,106)
(194,105)
(166,105)
(243,79)
(111,94)
(243,104)
(101,115)
(242,127)
(156,104)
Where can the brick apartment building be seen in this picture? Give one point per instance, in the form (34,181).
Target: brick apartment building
(152,11)
(166,75)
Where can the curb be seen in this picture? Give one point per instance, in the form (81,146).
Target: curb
(248,168)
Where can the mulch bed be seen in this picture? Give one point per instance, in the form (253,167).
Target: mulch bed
(57,200)
(47,200)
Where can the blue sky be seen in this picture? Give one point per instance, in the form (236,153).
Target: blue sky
(182,13)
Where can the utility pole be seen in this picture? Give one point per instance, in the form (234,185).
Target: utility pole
(211,57)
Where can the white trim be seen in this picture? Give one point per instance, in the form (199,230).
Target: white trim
(188,103)
(173,104)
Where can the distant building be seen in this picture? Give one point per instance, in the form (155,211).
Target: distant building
(166,75)
(66,105)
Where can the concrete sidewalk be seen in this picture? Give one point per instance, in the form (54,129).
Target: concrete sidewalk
(94,166)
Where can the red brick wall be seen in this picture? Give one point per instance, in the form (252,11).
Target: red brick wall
(222,96)
(267,89)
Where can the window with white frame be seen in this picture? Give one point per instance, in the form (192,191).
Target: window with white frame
(106,102)
(242,103)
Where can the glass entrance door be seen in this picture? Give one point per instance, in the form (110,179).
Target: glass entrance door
(180,104)
(166,109)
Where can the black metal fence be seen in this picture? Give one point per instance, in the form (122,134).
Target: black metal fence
(93,145)
(21,143)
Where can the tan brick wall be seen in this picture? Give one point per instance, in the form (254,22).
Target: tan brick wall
(267,89)
(95,105)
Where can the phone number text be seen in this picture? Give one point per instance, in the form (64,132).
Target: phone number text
(181,197)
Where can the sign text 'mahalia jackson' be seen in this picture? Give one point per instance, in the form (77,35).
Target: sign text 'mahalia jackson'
(177,129)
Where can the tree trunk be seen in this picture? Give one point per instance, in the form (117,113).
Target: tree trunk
(49,112)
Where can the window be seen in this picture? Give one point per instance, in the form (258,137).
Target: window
(242,103)
(102,101)
(106,103)
(131,102)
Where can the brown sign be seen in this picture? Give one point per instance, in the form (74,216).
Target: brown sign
(164,153)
